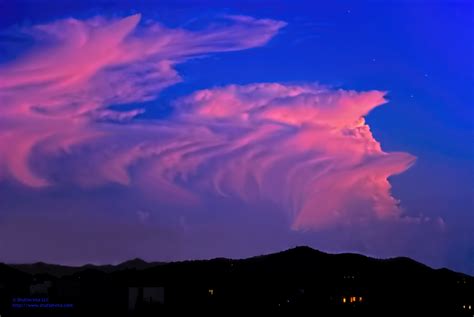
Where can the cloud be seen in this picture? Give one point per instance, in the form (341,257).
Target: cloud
(56,92)
(235,170)
(305,148)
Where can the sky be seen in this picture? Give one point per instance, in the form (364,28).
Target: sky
(173,130)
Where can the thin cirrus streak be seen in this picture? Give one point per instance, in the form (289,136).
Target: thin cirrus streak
(305,147)
(55,93)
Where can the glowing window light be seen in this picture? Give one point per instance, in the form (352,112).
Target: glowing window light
(360,298)
(211,292)
(343,299)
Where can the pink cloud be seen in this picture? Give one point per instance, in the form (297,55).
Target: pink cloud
(306,148)
(310,140)
(79,68)
(324,168)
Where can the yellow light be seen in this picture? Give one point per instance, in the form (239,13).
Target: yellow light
(469,307)
(360,299)
(343,299)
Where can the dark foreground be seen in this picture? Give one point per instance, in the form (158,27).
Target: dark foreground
(296,282)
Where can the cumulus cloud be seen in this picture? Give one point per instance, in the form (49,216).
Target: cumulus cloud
(304,147)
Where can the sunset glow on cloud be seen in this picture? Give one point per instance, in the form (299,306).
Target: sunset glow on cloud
(53,94)
(305,147)
(177,130)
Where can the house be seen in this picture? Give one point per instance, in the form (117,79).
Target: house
(68,288)
(348,300)
(145,296)
(40,288)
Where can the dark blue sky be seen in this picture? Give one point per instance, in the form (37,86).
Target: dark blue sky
(420,52)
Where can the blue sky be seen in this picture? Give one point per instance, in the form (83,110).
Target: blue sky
(419,52)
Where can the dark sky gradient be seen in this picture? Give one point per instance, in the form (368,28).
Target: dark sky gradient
(420,53)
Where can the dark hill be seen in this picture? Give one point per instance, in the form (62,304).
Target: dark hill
(63,270)
(290,282)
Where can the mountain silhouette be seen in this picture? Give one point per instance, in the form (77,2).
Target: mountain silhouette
(290,282)
(62,270)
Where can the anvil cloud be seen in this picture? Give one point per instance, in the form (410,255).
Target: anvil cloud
(304,147)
